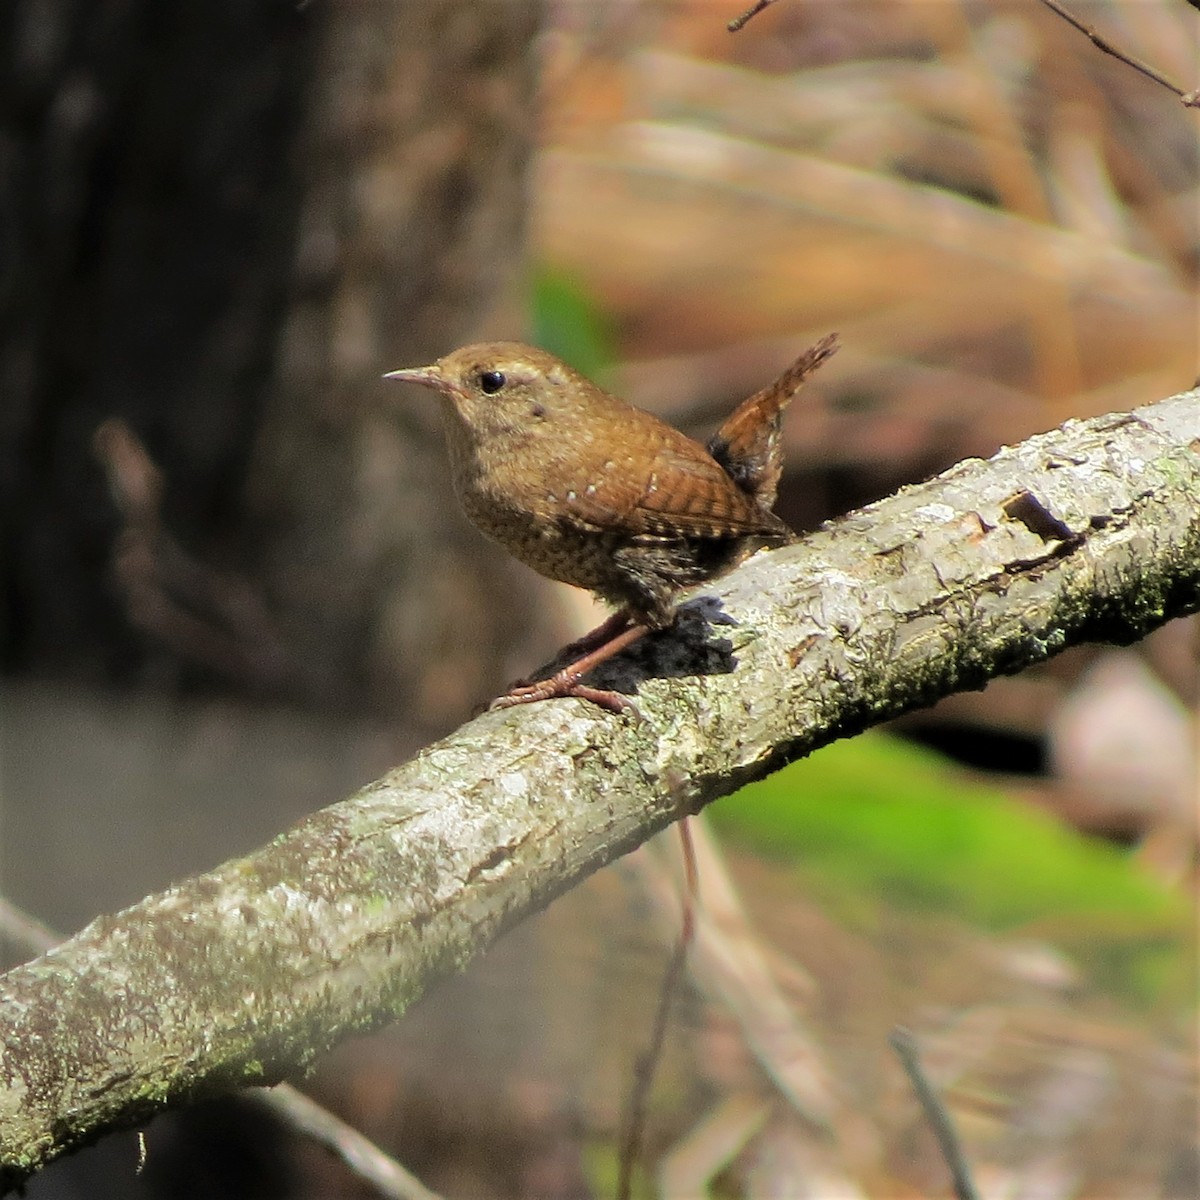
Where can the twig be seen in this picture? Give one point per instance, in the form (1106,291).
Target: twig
(29,937)
(936,1113)
(209,617)
(647,1064)
(1102,43)
(739,22)
(733,966)
(359,1153)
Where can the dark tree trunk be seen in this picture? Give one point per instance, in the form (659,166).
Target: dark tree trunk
(148,193)
(220,224)
(411,242)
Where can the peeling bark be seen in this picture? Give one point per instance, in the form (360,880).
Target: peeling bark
(246,974)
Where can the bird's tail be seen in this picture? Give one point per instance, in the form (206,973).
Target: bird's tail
(748,445)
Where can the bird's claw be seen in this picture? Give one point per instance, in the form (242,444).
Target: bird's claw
(566,684)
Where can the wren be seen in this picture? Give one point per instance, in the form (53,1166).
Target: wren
(588,490)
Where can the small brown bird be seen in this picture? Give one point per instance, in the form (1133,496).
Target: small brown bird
(587,489)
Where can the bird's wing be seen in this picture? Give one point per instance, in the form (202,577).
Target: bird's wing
(672,487)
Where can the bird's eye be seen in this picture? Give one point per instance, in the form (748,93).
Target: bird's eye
(491,381)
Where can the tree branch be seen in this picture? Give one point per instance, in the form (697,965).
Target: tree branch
(248,973)
(1103,44)
(294,1110)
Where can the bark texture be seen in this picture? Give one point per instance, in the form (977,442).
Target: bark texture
(246,974)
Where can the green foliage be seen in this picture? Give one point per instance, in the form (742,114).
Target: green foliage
(877,822)
(566,321)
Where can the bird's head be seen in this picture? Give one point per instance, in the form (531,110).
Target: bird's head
(504,392)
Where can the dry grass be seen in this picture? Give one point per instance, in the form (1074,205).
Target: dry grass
(1004,225)
(1001,221)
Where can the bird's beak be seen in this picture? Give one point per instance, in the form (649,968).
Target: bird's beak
(430,377)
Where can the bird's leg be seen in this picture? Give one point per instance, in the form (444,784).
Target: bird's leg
(592,640)
(595,638)
(566,682)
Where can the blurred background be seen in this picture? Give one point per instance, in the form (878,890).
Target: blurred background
(234,583)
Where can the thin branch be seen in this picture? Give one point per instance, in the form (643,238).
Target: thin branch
(643,1072)
(245,975)
(204,615)
(936,1113)
(647,1064)
(1102,43)
(740,22)
(26,936)
(305,1116)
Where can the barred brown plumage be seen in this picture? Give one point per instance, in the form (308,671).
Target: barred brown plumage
(587,489)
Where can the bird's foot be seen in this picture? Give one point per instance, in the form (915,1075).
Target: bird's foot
(565,683)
